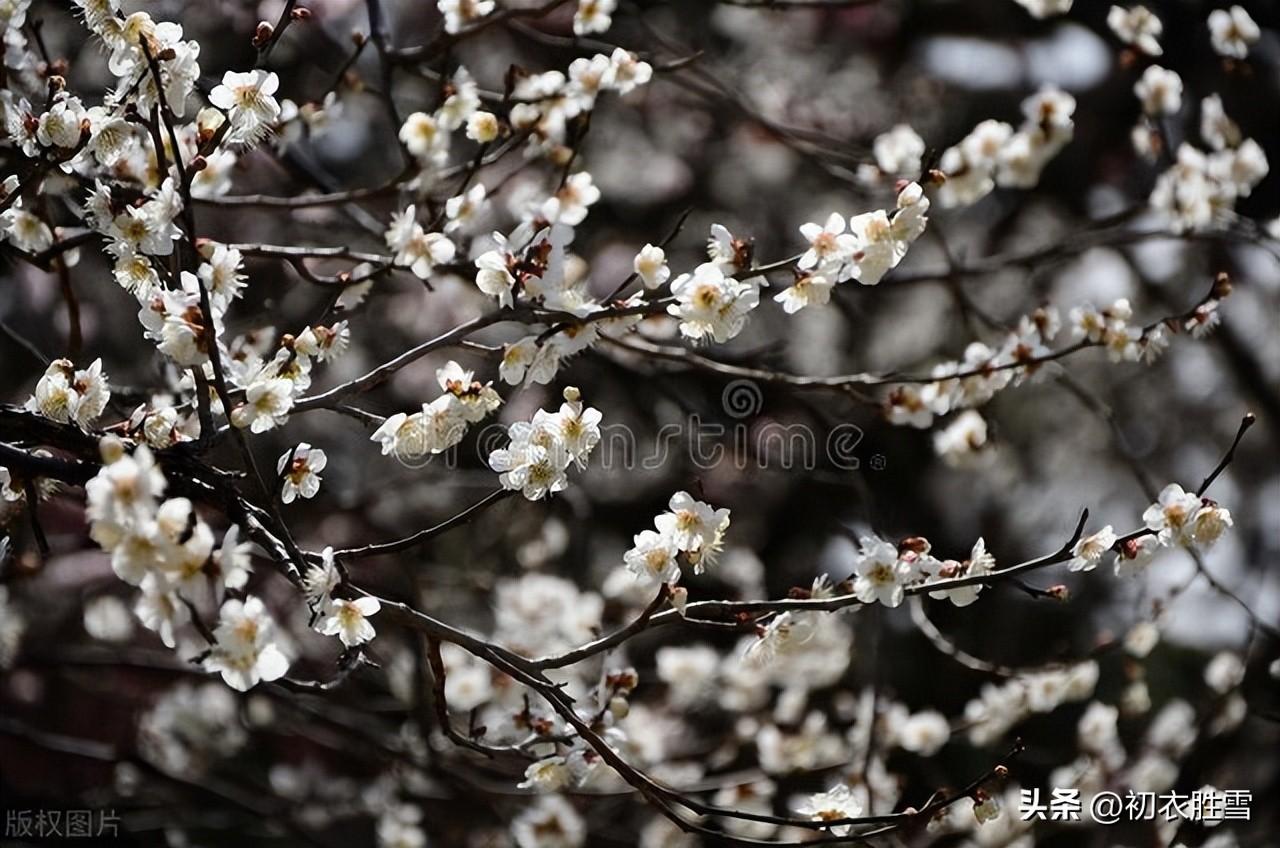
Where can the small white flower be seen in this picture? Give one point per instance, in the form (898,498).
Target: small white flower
(301,469)
(651,265)
(828,243)
(1209,523)
(899,152)
(593,16)
(459,13)
(652,558)
(1232,31)
(247,98)
(550,774)
(835,804)
(244,652)
(1160,91)
(691,523)
(1171,516)
(1087,552)
(483,127)
(878,577)
(924,733)
(320,580)
(709,304)
(348,620)
(808,290)
(267,405)
(1224,672)
(1137,26)
(424,138)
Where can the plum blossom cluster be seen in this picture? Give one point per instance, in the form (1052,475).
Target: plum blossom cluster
(1177,519)
(272,385)
(70,395)
(1000,707)
(884,571)
(689,532)
(441,423)
(993,153)
(1026,355)
(546,103)
(874,245)
(163,547)
(536,462)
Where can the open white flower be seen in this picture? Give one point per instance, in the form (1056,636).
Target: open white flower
(244,652)
(828,243)
(1171,516)
(711,305)
(349,620)
(1160,91)
(1137,26)
(1232,31)
(593,16)
(301,469)
(691,523)
(835,804)
(652,558)
(1087,552)
(879,578)
(248,101)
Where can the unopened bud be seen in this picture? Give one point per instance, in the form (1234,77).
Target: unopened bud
(358,38)
(301,13)
(572,394)
(619,707)
(57,83)
(263,34)
(1058,592)
(914,544)
(936,176)
(1222,285)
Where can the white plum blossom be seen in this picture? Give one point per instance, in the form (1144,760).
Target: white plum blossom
(807,290)
(1172,516)
(1232,31)
(415,248)
(1137,26)
(300,471)
(537,460)
(1160,91)
(879,578)
(711,305)
(249,102)
(1087,552)
(245,652)
(835,804)
(349,620)
(651,266)
(899,152)
(458,14)
(652,558)
(828,243)
(593,16)
(66,394)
